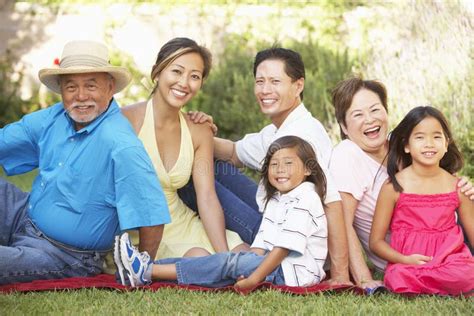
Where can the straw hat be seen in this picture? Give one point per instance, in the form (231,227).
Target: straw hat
(81,57)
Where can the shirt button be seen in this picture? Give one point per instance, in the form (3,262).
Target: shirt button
(60,164)
(30,207)
(42,184)
(71,139)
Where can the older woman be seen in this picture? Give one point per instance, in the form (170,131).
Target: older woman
(358,165)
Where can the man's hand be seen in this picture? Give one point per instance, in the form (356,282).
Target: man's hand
(465,187)
(199,117)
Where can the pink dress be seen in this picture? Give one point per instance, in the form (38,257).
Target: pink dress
(426,225)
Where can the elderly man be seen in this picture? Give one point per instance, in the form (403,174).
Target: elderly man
(95,178)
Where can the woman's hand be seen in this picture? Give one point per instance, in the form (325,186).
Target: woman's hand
(465,186)
(416,259)
(199,117)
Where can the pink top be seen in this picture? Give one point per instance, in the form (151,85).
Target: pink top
(358,174)
(426,224)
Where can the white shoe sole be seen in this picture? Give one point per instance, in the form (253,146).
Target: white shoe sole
(118,260)
(127,264)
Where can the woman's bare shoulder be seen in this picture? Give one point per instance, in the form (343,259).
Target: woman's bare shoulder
(135,113)
(199,131)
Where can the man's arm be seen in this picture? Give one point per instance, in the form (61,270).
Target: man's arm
(19,151)
(150,238)
(337,244)
(139,197)
(224,149)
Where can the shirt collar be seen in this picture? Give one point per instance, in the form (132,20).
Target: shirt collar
(295,115)
(296,192)
(113,108)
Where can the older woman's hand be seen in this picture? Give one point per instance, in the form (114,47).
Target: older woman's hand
(465,187)
(337,281)
(370,284)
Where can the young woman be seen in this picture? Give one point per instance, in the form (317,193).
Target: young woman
(426,254)
(179,148)
(290,247)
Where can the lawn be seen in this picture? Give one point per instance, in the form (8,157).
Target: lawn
(172,301)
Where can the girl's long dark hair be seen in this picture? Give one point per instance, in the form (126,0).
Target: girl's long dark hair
(307,155)
(398,159)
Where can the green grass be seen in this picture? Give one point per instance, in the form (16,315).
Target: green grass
(172,301)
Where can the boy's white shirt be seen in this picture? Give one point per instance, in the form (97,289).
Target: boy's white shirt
(296,221)
(252,149)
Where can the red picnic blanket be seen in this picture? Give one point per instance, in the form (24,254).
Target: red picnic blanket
(107,281)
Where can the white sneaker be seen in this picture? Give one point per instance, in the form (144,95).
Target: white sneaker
(120,274)
(136,265)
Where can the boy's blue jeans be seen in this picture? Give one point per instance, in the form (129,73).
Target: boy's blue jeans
(236,193)
(220,269)
(26,254)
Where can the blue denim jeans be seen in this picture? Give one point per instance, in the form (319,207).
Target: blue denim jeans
(220,269)
(26,254)
(236,193)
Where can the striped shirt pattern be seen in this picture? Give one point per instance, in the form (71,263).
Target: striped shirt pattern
(296,221)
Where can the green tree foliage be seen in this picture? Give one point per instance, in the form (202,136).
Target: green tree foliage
(228,92)
(422,51)
(12,107)
(324,68)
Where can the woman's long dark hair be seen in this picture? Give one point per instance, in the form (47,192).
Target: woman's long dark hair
(398,159)
(306,153)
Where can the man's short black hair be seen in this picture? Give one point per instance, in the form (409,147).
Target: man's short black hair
(294,66)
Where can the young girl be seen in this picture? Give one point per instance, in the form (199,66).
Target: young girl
(290,247)
(427,253)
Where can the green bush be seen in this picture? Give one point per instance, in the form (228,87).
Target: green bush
(227,94)
(12,107)
(466,145)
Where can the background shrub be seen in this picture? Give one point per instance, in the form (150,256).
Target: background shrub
(421,50)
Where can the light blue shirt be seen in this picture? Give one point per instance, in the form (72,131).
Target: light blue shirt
(91,184)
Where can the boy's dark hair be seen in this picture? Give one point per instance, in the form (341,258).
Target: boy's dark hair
(398,159)
(294,66)
(307,155)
